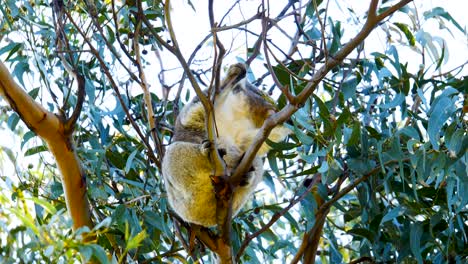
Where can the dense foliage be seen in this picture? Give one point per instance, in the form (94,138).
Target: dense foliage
(377,161)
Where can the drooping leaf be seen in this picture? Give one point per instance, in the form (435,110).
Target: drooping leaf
(405,29)
(441,111)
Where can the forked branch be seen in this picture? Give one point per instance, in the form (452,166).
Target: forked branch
(56,133)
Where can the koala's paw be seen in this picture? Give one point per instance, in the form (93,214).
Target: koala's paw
(246,177)
(222,152)
(205,147)
(245,180)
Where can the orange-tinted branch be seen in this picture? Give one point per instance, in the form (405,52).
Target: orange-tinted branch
(53,131)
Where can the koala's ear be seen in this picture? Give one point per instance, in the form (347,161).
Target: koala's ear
(236,73)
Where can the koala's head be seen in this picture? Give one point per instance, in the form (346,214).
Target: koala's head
(235,85)
(236,73)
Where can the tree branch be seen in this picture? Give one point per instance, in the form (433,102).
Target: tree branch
(70,122)
(53,131)
(144,84)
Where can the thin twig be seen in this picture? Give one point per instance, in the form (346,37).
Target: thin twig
(144,84)
(116,90)
(94,18)
(275,218)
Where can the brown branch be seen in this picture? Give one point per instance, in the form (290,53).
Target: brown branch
(355,183)
(117,33)
(223,190)
(70,122)
(311,239)
(310,242)
(52,130)
(240,24)
(207,105)
(70,67)
(284,89)
(94,18)
(144,84)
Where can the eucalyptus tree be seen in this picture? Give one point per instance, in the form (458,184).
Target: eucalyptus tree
(375,169)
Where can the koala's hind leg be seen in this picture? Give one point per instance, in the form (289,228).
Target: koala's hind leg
(186,170)
(185,162)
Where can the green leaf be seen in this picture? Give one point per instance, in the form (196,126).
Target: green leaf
(405,29)
(135,241)
(355,137)
(410,131)
(310,9)
(397,100)
(34,93)
(20,68)
(131,157)
(440,12)
(349,88)
(373,133)
(35,150)
(13,120)
(45,204)
(86,252)
(99,253)
(344,117)
(442,57)
(282,74)
(272,162)
(394,213)
(415,241)
(303,138)
(27,136)
(11,48)
(26,220)
(362,232)
(268,180)
(441,111)
(456,140)
(104,223)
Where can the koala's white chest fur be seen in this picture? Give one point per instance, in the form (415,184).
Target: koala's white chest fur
(232,110)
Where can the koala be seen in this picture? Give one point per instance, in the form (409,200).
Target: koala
(240,110)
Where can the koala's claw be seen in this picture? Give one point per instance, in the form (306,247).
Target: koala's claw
(222,152)
(245,180)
